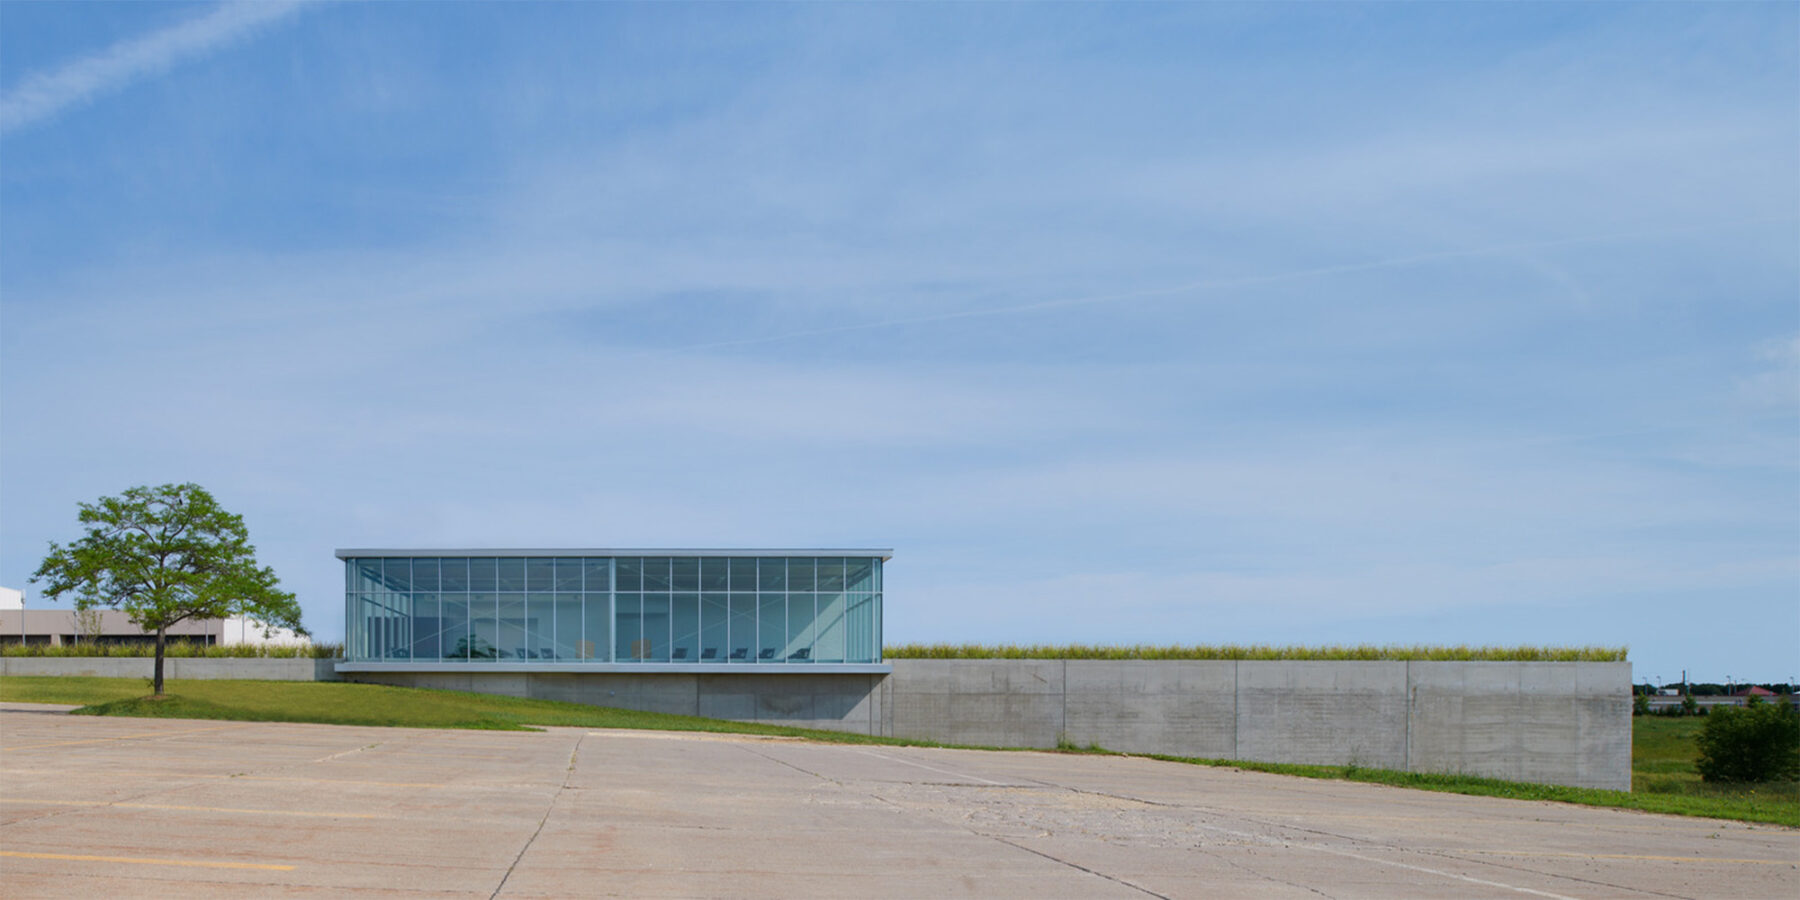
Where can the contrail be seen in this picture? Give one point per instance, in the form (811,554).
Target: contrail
(1214,284)
(44,94)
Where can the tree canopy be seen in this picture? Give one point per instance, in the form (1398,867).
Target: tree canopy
(164,555)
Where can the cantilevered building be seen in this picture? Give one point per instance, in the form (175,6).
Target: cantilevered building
(460,610)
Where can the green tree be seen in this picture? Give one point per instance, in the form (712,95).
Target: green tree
(166,554)
(1759,742)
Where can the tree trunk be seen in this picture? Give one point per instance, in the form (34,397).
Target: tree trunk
(157,678)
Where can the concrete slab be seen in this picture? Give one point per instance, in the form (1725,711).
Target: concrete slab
(152,808)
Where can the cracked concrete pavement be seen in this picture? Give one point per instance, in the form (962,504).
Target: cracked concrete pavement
(146,808)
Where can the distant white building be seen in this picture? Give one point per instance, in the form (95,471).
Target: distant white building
(108,626)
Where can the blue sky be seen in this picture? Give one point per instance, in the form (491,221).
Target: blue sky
(1161,323)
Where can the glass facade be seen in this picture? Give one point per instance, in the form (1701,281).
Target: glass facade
(715,609)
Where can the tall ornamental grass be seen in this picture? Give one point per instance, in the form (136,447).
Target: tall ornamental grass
(1459,653)
(179,650)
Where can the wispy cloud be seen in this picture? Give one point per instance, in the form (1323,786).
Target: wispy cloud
(45,94)
(1220,284)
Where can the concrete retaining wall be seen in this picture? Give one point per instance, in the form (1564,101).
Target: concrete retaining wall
(1553,723)
(832,702)
(198,669)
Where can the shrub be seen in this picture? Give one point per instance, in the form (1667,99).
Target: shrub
(1760,742)
(1640,704)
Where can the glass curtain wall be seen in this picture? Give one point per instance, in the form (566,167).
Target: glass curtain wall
(683,609)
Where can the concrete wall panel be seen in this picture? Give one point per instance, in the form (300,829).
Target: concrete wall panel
(1322,712)
(677,694)
(1185,708)
(986,702)
(837,702)
(1557,723)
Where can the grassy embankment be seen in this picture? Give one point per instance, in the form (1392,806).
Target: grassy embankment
(1451,653)
(1663,776)
(1433,653)
(343,703)
(177,650)
(1663,780)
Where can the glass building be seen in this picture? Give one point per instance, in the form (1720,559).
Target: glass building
(612,610)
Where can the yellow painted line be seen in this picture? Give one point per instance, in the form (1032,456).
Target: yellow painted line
(198,863)
(123,737)
(217,809)
(1692,859)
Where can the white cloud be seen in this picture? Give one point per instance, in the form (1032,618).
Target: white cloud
(44,94)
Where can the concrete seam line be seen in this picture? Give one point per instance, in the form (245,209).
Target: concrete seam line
(1237,727)
(568,774)
(1093,872)
(909,762)
(783,762)
(1063,729)
(1409,714)
(1468,878)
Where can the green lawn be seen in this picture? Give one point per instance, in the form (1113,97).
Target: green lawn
(1663,780)
(1663,776)
(1461,652)
(343,703)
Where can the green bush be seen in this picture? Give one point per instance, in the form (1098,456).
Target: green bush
(1759,742)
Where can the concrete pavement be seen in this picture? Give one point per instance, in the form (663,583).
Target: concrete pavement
(145,808)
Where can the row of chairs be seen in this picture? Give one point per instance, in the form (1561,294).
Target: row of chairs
(681,653)
(640,650)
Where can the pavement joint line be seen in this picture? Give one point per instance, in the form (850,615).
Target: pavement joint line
(1454,856)
(783,762)
(217,809)
(1307,845)
(123,737)
(1241,867)
(1094,872)
(1441,853)
(1439,872)
(1638,856)
(197,863)
(568,775)
(909,762)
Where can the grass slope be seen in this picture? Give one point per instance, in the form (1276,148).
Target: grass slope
(343,703)
(1663,775)
(1255,652)
(176,650)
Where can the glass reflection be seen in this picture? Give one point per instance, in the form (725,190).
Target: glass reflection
(550,611)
